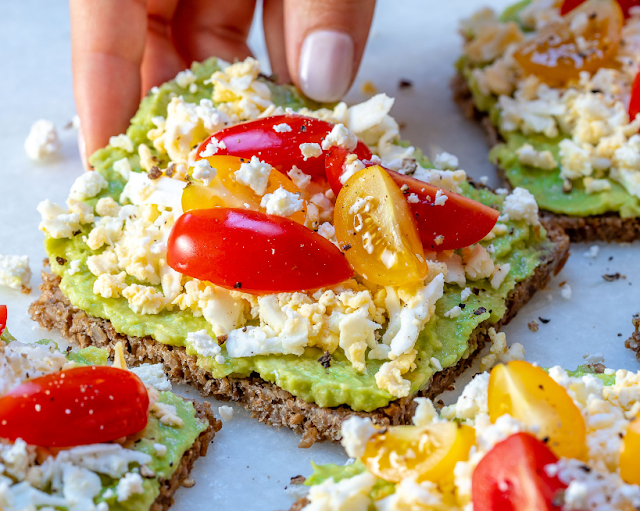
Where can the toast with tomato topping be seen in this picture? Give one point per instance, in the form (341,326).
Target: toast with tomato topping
(563,128)
(518,437)
(115,439)
(301,260)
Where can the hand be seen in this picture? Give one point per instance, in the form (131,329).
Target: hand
(122,48)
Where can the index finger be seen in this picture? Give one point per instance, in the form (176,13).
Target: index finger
(106,57)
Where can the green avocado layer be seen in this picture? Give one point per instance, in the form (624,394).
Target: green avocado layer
(442,338)
(545,185)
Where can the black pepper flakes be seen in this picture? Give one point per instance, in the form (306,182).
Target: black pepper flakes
(543,320)
(325,360)
(237,285)
(405,83)
(346,247)
(170,170)
(479,311)
(221,339)
(462,305)
(61,261)
(610,277)
(155,172)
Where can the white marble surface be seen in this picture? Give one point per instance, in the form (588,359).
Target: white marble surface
(249,465)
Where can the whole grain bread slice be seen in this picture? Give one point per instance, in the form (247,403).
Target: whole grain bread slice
(633,342)
(266,401)
(605,227)
(180,477)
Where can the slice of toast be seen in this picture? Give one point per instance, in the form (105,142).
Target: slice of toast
(605,227)
(180,477)
(633,342)
(266,401)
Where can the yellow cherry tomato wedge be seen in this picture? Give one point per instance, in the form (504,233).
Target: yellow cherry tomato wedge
(630,453)
(427,453)
(563,49)
(225,192)
(530,395)
(376,230)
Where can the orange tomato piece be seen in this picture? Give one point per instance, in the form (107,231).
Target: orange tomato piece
(225,192)
(630,453)
(427,453)
(376,230)
(530,395)
(562,50)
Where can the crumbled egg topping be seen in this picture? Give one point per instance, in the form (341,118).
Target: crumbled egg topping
(592,484)
(129,236)
(71,478)
(602,144)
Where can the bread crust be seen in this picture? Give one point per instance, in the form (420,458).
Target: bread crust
(266,401)
(605,227)
(181,477)
(633,342)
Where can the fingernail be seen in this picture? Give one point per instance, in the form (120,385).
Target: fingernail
(82,148)
(326,65)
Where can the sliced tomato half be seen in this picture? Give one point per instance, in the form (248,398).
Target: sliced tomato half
(625,5)
(634,102)
(281,148)
(3,318)
(511,477)
(254,252)
(79,406)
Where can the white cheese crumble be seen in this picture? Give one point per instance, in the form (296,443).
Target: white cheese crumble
(212,147)
(282,202)
(226,413)
(340,137)
(14,271)
(185,78)
(123,142)
(160,449)
(299,178)
(454,312)
(413,198)
(566,292)
(356,432)
(310,150)
(445,161)
(152,375)
(521,205)
(592,253)
(123,167)
(440,199)
(254,174)
(539,159)
(203,344)
(465,294)
(203,171)
(87,186)
(283,127)
(128,486)
(42,141)
(350,166)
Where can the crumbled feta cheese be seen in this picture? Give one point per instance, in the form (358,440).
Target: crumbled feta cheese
(356,432)
(454,312)
(106,206)
(153,375)
(42,141)
(129,485)
(596,185)
(592,252)
(254,174)
(87,186)
(413,198)
(465,294)
(473,400)
(74,267)
(299,178)
(500,352)
(212,147)
(14,271)
(283,127)
(441,198)
(521,205)
(185,78)
(478,262)
(166,414)
(539,159)
(226,413)
(351,165)
(203,171)
(326,230)
(160,449)
(566,292)
(56,221)
(123,167)
(123,142)
(372,112)
(500,273)
(203,344)
(340,137)
(310,150)
(425,412)
(445,161)
(282,202)
(349,494)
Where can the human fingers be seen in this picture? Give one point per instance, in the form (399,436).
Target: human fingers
(273,23)
(207,28)
(325,41)
(106,58)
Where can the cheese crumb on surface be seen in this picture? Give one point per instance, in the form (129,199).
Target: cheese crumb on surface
(226,413)
(299,178)
(310,150)
(160,449)
(14,271)
(499,351)
(465,294)
(212,147)
(283,127)
(128,486)
(106,206)
(592,252)
(152,375)
(445,161)
(539,159)
(185,78)
(42,141)
(254,174)
(88,185)
(340,137)
(454,312)
(166,414)
(351,165)
(123,142)
(282,203)
(441,198)
(521,205)
(203,171)
(566,292)
(356,432)
(203,344)
(413,198)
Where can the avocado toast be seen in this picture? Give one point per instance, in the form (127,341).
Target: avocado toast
(491,451)
(73,463)
(306,360)
(564,132)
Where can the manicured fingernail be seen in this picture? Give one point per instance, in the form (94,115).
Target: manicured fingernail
(326,65)
(82,148)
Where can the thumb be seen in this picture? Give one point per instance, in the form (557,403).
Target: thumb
(324,44)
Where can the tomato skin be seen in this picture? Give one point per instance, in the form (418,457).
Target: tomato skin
(511,477)
(254,252)
(104,404)
(569,5)
(3,318)
(634,102)
(281,150)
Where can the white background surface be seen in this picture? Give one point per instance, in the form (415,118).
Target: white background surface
(249,464)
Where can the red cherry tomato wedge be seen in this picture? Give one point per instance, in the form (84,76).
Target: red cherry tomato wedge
(253,252)
(634,102)
(79,406)
(511,477)
(3,318)
(281,149)
(625,5)
(460,221)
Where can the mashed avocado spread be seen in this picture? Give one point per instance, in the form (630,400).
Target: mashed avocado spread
(545,185)
(446,339)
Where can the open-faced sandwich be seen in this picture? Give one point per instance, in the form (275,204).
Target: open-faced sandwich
(300,260)
(79,435)
(518,438)
(555,82)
